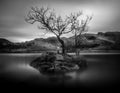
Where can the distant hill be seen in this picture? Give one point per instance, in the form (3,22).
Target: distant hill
(99,41)
(4,41)
(5,45)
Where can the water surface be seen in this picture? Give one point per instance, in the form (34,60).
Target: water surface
(102,70)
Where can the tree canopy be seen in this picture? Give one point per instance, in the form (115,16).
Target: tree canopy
(57,25)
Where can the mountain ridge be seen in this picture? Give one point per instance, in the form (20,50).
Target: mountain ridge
(99,41)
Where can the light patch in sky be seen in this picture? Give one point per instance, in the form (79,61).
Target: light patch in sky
(28,33)
(106,16)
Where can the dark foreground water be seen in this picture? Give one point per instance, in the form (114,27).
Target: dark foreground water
(103,71)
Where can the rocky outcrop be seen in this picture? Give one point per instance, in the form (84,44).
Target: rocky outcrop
(51,63)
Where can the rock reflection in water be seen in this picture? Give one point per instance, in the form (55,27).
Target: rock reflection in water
(102,70)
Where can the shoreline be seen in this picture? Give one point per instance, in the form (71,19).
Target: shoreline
(70,53)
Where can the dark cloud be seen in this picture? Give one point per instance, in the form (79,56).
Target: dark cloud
(13,12)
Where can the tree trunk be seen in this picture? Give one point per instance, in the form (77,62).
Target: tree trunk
(76,44)
(62,45)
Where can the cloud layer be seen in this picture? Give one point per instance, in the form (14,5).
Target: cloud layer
(13,26)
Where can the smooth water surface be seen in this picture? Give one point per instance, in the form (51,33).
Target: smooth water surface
(102,70)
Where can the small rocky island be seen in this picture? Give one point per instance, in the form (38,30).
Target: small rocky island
(54,63)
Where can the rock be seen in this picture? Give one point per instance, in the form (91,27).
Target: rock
(59,57)
(51,63)
(68,58)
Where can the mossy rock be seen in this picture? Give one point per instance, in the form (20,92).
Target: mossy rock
(48,63)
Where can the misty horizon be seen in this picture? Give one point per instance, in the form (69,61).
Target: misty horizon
(106,16)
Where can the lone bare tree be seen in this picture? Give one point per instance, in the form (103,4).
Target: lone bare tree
(78,27)
(50,22)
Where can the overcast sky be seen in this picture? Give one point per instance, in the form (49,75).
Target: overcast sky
(13,12)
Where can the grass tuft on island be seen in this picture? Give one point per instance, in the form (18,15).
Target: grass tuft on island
(53,63)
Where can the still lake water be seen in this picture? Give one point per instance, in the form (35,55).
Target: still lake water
(102,71)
